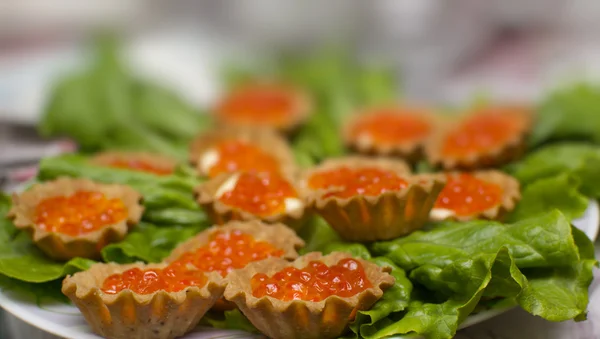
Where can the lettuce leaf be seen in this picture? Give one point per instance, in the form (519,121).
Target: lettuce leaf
(570,113)
(104,106)
(148,243)
(542,263)
(38,292)
(560,192)
(395,299)
(545,241)
(21,259)
(232,320)
(168,199)
(579,160)
(317,234)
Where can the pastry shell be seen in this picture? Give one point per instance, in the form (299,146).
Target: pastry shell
(496,156)
(268,141)
(302,110)
(62,246)
(510,196)
(369,218)
(221,213)
(301,319)
(155,160)
(129,315)
(277,235)
(410,150)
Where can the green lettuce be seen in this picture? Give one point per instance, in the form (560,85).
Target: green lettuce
(168,199)
(20,259)
(579,160)
(560,192)
(395,299)
(232,320)
(38,292)
(148,243)
(569,113)
(317,234)
(105,106)
(542,263)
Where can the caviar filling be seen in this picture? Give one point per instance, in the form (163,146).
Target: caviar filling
(227,251)
(236,155)
(315,282)
(259,104)
(345,182)
(465,195)
(172,278)
(390,128)
(262,194)
(480,133)
(140,166)
(80,213)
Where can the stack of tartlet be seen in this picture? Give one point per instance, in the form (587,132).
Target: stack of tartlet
(258,199)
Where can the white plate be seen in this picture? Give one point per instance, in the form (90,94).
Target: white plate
(32,321)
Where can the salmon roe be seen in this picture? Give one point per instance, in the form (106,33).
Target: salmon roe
(480,132)
(80,213)
(315,282)
(390,128)
(227,251)
(140,166)
(262,104)
(173,278)
(262,194)
(346,182)
(466,195)
(237,155)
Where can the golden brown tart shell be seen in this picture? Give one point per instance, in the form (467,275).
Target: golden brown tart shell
(129,315)
(299,319)
(62,246)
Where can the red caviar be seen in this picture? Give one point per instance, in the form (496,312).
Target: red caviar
(262,194)
(80,213)
(172,278)
(315,282)
(141,166)
(481,132)
(466,195)
(227,251)
(388,127)
(262,104)
(237,155)
(347,182)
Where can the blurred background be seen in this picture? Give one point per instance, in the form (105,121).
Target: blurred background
(441,52)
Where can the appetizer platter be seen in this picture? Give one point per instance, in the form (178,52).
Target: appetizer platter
(309,202)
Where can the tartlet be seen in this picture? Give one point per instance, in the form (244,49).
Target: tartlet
(267,196)
(63,245)
(136,161)
(481,195)
(488,137)
(280,237)
(266,240)
(130,315)
(278,107)
(262,149)
(390,131)
(291,319)
(377,212)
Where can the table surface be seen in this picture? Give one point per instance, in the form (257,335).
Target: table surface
(515,324)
